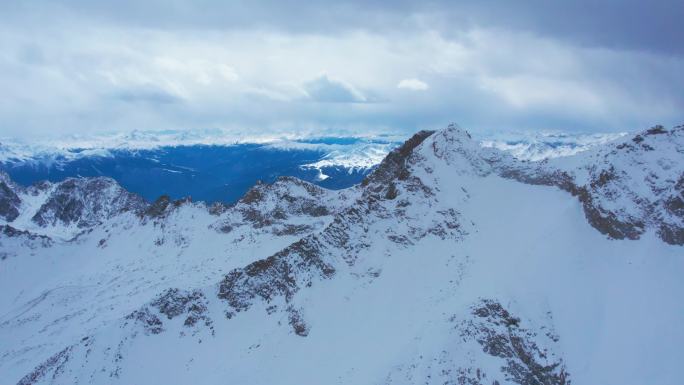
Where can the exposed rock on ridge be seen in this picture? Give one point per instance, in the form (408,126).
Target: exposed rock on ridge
(86,203)
(9,200)
(625,188)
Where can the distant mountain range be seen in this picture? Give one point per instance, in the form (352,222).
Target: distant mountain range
(213,167)
(211,173)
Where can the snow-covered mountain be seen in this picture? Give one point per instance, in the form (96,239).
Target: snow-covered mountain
(626,188)
(66,208)
(451,263)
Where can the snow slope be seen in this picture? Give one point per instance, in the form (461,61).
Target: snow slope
(450,264)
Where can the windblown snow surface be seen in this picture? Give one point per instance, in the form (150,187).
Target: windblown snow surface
(450,264)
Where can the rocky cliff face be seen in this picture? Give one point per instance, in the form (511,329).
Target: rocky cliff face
(285,207)
(9,200)
(637,185)
(69,207)
(85,203)
(521,352)
(440,268)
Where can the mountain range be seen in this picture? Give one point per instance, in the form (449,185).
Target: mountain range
(220,172)
(216,166)
(449,263)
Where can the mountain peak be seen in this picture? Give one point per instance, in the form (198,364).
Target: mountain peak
(454,146)
(456,131)
(394,165)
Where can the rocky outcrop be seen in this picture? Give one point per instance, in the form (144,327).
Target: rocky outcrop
(395,166)
(158,208)
(11,239)
(281,275)
(85,203)
(9,200)
(52,366)
(281,207)
(266,204)
(150,322)
(173,303)
(501,335)
(488,345)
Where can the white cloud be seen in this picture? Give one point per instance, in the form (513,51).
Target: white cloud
(86,76)
(413,84)
(326,90)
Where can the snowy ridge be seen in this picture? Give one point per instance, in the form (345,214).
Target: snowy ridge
(413,277)
(286,206)
(67,208)
(626,187)
(166,243)
(639,181)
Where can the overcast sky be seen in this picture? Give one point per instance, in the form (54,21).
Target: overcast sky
(320,67)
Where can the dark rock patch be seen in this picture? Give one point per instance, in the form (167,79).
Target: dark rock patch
(150,322)
(54,365)
(297,323)
(9,202)
(501,335)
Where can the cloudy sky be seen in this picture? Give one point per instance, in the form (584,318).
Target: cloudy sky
(323,67)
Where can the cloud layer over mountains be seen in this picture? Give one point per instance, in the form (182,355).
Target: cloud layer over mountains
(323,67)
